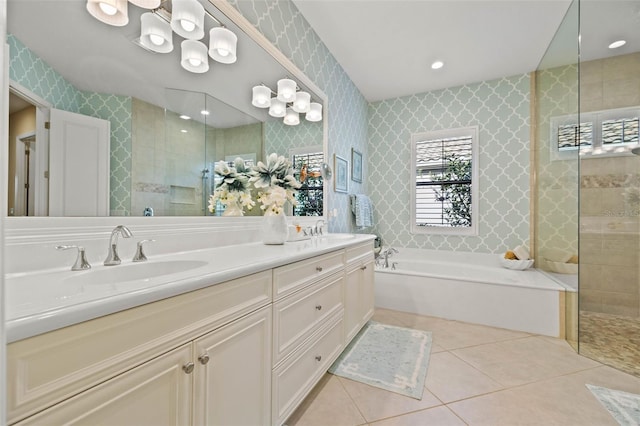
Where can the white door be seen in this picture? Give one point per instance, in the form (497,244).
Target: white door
(79,148)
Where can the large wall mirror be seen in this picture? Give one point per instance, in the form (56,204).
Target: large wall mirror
(167,126)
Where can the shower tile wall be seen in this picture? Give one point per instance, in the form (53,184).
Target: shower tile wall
(609,207)
(500,109)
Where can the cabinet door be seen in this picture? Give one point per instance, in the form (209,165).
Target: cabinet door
(368,294)
(233,373)
(156,393)
(352,302)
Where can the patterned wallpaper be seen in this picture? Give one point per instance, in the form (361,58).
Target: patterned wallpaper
(282,23)
(30,71)
(500,109)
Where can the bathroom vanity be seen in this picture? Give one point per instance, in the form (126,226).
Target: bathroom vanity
(235,344)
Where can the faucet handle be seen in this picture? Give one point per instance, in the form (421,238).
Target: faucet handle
(140,256)
(81,261)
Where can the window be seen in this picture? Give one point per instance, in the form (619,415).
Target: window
(307,166)
(445,180)
(601,133)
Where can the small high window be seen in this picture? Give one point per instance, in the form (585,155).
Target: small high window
(445,180)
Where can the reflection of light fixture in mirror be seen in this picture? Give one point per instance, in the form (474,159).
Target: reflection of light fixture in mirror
(112,12)
(617,44)
(287,90)
(146,4)
(315,112)
(185,117)
(204,112)
(194,56)
(437,65)
(222,45)
(291,118)
(261,97)
(183,131)
(301,104)
(155,33)
(278,108)
(187,19)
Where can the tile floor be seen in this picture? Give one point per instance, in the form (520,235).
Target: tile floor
(477,376)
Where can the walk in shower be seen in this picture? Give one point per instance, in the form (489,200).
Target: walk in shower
(587,203)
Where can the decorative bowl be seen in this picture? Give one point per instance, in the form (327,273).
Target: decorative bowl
(515,264)
(562,268)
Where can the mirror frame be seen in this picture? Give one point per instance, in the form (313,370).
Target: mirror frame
(46,225)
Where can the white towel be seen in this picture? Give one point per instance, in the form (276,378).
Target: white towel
(363,210)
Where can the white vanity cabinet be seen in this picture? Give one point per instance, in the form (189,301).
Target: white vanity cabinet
(359,291)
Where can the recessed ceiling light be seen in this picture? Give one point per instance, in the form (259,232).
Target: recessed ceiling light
(437,65)
(185,117)
(617,44)
(204,112)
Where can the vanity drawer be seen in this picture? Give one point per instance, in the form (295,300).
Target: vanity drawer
(292,277)
(48,368)
(299,373)
(359,252)
(295,317)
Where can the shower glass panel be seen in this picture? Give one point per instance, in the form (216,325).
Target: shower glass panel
(557,142)
(609,296)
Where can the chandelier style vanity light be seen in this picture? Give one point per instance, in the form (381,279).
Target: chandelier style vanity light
(183,17)
(288,102)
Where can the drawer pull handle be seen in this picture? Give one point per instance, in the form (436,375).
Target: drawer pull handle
(188,368)
(203,359)
(363,268)
(319,307)
(318,358)
(319,268)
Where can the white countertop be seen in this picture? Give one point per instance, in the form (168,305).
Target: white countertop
(50,299)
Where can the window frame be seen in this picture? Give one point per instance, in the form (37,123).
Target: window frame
(471,131)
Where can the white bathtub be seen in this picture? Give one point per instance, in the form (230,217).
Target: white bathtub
(470,287)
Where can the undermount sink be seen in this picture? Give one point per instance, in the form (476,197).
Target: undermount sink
(135,271)
(337,237)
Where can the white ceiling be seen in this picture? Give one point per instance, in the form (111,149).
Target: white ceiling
(387,46)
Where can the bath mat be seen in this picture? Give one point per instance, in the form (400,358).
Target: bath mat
(624,407)
(388,357)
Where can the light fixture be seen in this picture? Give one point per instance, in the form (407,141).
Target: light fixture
(222,45)
(183,131)
(146,4)
(437,65)
(112,12)
(301,104)
(618,43)
(261,97)
(155,33)
(194,56)
(291,118)
(278,108)
(185,117)
(204,112)
(286,90)
(315,112)
(187,19)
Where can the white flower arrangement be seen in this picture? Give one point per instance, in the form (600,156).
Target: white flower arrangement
(234,187)
(275,183)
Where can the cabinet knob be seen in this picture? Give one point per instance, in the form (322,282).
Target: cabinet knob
(319,268)
(363,268)
(319,307)
(318,358)
(188,368)
(203,359)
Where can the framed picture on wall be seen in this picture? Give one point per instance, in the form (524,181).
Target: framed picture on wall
(341,167)
(356,166)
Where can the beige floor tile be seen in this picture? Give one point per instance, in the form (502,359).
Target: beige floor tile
(454,334)
(451,379)
(375,403)
(438,416)
(327,404)
(520,361)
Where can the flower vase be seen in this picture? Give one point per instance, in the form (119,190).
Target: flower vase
(274,228)
(233,209)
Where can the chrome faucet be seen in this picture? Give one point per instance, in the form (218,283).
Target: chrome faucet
(319,229)
(112,257)
(387,254)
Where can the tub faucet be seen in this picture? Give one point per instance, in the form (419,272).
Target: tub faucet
(112,257)
(387,254)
